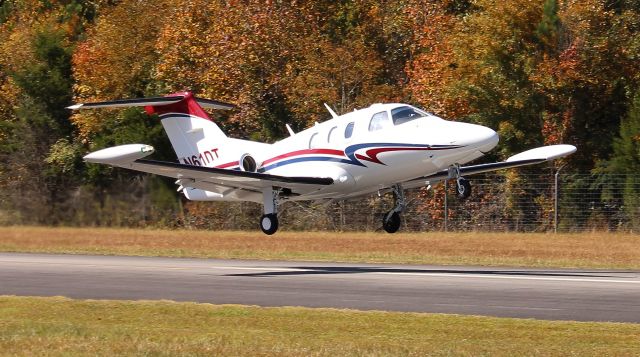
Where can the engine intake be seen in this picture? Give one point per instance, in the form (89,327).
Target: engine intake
(248,163)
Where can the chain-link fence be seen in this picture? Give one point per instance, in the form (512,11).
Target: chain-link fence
(512,201)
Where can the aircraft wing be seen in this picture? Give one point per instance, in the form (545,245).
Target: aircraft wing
(224,177)
(529,157)
(206,178)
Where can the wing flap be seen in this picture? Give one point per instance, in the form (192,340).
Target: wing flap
(482,168)
(207,178)
(529,157)
(131,156)
(225,177)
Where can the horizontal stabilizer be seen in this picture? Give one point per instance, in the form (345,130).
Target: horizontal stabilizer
(152,101)
(214,104)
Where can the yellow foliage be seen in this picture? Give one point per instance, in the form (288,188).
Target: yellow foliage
(117,59)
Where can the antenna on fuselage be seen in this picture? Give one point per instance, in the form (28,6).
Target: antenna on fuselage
(333,114)
(291,132)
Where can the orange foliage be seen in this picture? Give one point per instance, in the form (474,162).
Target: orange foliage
(254,53)
(118,56)
(433,70)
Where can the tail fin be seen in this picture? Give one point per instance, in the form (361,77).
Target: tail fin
(194,137)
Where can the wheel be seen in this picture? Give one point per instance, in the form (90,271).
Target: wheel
(463,188)
(269,223)
(391,222)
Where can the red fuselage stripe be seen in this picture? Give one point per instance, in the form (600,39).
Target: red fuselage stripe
(305,152)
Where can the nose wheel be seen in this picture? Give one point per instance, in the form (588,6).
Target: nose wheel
(463,186)
(391,220)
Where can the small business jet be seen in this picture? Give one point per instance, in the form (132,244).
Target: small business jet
(382,148)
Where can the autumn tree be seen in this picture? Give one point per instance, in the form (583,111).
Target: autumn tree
(36,141)
(537,71)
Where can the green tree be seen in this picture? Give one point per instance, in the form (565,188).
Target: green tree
(548,27)
(626,160)
(48,81)
(41,161)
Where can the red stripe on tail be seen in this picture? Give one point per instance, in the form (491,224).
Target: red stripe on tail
(186,106)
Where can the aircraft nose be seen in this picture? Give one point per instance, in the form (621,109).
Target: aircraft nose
(487,138)
(476,137)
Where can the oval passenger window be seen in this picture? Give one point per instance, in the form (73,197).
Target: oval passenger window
(313,142)
(331,134)
(348,131)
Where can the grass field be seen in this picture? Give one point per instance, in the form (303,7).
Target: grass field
(60,326)
(592,250)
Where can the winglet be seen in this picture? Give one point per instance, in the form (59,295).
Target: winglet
(333,114)
(546,153)
(119,155)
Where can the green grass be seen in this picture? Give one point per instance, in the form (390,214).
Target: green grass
(60,326)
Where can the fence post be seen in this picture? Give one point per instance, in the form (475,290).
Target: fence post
(555,201)
(446,207)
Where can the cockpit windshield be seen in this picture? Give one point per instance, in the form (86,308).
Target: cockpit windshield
(406,114)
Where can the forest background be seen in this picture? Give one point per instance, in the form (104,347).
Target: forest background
(538,71)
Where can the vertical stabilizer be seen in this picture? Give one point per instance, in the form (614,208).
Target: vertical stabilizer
(194,137)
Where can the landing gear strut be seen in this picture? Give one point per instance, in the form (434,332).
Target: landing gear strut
(463,186)
(269,220)
(391,220)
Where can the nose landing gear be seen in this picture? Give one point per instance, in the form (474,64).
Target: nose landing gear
(391,220)
(463,186)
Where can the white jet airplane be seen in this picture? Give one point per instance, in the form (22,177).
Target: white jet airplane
(385,147)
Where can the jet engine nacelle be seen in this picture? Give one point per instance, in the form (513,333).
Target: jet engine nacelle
(247,163)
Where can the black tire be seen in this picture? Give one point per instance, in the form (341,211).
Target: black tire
(269,223)
(391,222)
(463,188)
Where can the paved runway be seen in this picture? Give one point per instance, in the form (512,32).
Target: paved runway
(583,295)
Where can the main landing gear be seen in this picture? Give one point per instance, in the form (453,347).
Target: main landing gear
(269,223)
(391,220)
(269,220)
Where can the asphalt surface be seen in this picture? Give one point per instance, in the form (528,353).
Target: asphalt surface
(582,295)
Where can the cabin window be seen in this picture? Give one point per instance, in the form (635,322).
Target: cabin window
(313,142)
(379,121)
(348,131)
(332,133)
(406,114)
